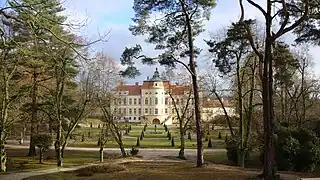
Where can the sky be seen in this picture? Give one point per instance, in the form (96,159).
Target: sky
(114,16)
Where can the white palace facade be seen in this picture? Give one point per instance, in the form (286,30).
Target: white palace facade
(150,102)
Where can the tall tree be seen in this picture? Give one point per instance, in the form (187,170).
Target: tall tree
(287,24)
(173,32)
(229,54)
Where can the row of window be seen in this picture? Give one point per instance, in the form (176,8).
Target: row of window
(148,101)
(133,111)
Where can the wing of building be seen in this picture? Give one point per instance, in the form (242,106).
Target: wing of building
(150,102)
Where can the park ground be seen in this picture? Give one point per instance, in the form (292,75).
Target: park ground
(156,159)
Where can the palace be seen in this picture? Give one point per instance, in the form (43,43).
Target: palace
(157,101)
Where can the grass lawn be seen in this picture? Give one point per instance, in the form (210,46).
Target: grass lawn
(148,143)
(19,161)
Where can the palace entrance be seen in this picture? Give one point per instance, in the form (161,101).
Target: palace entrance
(156,121)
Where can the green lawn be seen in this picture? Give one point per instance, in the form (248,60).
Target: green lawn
(152,138)
(148,143)
(19,161)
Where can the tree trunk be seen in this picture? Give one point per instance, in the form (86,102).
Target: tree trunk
(123,151)
(192,64)
(34,114)
(3,156)
(241,149)
(268,119)
(59,153)
(101,153)
(182,140)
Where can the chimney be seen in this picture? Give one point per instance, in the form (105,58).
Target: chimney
(137,84)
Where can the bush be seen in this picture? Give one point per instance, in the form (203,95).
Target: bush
(232,151)
(297,149)
(134,151)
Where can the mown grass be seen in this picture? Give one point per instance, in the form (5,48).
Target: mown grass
(19,161)
(149,143)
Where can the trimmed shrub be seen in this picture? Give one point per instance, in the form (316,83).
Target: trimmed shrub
(82,138)
(138,142)
(172,141)
(210,143)
(219,136)
(189,136)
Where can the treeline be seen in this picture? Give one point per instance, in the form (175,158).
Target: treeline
(45,84)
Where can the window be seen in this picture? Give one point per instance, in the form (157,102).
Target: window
(129,118)
(156,101)
(130,111)
(124,111)
(156,111)
(120,110)
(150,111)
(139,110)
(156,84)
(139,118)
(134,101)
(146,110)
(114,110)
(139,101)
(156,92)
(166,111)
(124,101)
(166,101)
(146,101)
(150,101)
(130,101)
(134,111)
(172,110)
(134,118)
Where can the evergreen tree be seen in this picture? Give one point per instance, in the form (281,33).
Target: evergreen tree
(174,35)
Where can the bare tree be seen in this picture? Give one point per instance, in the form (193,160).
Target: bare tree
(287,24)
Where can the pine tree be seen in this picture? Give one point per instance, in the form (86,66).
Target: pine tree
(138,142)
(219,136)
